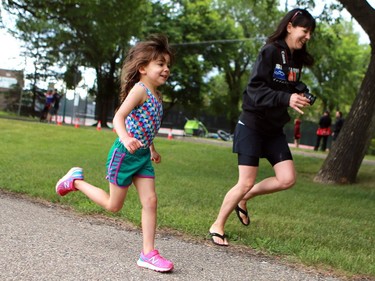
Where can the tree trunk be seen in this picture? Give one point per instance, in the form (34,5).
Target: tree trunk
(344,160)
(107,92)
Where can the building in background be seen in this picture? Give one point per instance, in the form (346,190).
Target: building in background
(11,85)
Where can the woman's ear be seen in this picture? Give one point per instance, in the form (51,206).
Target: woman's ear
(289,27)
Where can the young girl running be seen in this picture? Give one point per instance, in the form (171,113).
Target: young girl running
(137,122)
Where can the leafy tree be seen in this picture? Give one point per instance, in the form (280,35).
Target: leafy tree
(36,49)
(72,76)
(217,98)
(212,36)
(340,65)
(249,22)
(344,160)
(186,23)
(84,33)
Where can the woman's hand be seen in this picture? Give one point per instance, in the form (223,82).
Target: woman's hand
(298,101)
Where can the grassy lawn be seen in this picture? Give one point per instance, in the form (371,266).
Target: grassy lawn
(330,227)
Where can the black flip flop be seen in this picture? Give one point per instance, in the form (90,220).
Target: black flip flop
(222,237)
(238,211)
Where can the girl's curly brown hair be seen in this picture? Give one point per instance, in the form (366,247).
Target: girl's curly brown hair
(138,56)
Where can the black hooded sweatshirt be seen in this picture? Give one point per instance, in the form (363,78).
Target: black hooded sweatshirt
(266,97)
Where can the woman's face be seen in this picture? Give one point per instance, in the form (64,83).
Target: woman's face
(297,37)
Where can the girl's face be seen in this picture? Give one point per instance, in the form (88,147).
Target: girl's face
(297,37)
(157,71)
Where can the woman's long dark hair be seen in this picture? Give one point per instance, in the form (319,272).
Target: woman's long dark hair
(140,55)
(297,17)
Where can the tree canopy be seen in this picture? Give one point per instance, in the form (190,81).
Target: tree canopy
(94,34)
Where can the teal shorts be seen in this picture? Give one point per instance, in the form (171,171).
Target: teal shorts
(122,166)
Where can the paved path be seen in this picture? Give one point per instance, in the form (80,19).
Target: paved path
(42,241)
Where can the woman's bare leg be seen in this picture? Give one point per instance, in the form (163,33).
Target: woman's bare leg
(247,175)
(285,177)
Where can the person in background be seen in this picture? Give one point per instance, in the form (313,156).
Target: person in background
(54,109)
(338,125)
(47,105)
(259,132)
(297,131)
(136,122)
(324,131)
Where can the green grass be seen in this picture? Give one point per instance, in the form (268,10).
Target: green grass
(326,226)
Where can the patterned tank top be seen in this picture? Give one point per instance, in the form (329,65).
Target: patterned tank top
(143,122)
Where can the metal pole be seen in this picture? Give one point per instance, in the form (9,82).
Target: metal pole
(64,110)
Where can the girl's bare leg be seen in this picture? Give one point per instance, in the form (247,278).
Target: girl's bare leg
(112,202)
(148,198)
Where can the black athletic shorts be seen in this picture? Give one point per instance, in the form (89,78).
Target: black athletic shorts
(250,145)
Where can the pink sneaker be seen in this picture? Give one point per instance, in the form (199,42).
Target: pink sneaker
(155,261)
(66,183)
